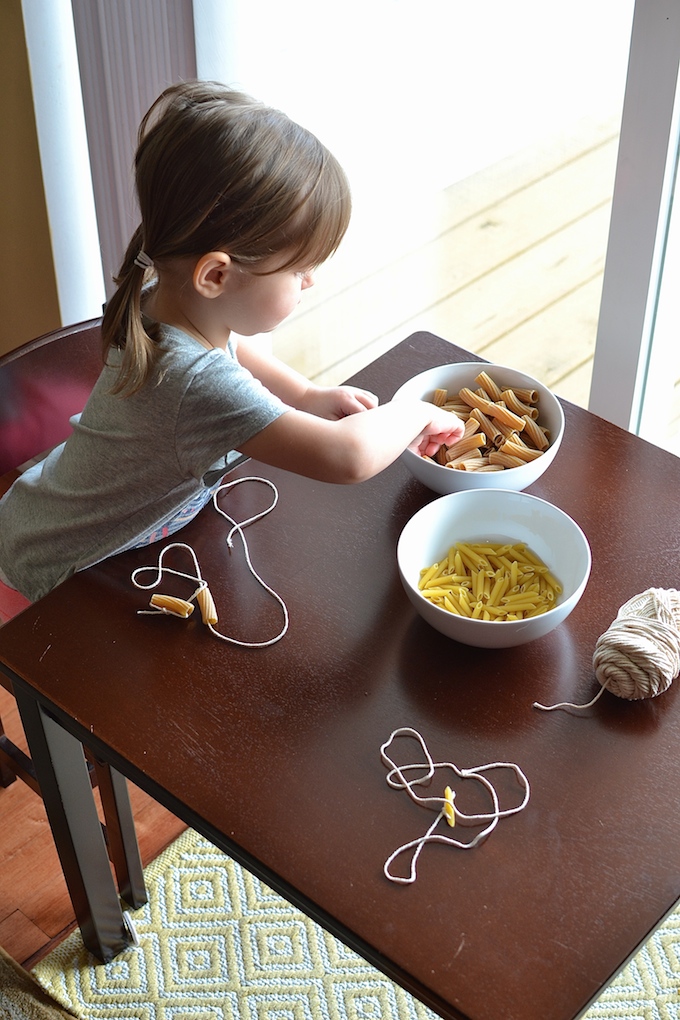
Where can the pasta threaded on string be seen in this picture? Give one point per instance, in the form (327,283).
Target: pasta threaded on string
(495,581)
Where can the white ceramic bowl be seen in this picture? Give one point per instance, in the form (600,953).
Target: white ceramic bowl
(453,378)
(494,515)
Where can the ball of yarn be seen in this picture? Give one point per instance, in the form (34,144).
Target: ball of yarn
(639,655)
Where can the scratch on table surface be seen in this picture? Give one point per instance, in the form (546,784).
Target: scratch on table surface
(462,943)
(45,652)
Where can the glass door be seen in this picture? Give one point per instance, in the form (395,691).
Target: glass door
(637,361)
(481,143)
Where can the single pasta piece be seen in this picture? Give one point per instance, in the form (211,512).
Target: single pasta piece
(536,434)
(505,459)
(520,450)
(471,442)
(206,604)
(489,386)
(518,406)
(448,808)
(172,605)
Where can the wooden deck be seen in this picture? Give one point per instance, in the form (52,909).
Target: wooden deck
(509,266)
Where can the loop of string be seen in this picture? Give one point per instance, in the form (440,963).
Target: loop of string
(638,656)
(168,605)
(444,806)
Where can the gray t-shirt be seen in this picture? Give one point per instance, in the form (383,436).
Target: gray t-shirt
(132,463)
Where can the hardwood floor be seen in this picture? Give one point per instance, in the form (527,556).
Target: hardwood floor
(35,909)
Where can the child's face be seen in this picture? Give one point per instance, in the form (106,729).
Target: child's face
(256,303)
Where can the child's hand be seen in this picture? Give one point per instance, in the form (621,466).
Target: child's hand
(444,428)
(337,402)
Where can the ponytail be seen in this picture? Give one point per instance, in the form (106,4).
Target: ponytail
(123,328)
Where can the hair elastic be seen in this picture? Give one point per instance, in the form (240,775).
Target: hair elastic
(143,260)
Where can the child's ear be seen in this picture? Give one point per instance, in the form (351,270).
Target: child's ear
(211,272)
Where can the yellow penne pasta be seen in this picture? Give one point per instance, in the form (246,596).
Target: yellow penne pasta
(490,581)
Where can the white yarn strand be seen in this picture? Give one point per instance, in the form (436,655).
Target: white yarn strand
(397,780)
(638,656)
(237,526)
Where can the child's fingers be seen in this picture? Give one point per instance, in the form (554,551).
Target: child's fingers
(353,400)
(360,400)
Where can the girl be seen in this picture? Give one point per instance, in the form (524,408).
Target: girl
(238,206)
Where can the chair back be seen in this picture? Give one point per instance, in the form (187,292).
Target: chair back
(42,384)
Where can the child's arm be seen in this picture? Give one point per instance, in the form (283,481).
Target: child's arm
(356,447)
(294,389)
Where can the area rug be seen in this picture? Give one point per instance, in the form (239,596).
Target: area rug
(217,944)
(22,998)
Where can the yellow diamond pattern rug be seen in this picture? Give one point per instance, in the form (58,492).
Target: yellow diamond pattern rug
(217,944)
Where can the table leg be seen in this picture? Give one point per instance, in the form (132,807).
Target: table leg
(120,834)
(63,776)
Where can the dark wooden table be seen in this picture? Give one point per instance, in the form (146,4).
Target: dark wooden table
(274,754)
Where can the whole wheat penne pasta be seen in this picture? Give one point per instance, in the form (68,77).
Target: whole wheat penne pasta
(507,431)
(488,384)
(475,464)
(498,412)
(515,404)
(470,427)
(458,407)
(466,462)
(535,434)
(440,397)
(440,456)
(503,414)
(473,442)
(496,457)
(473,399)
(487,425)
(526,395)
(524,453)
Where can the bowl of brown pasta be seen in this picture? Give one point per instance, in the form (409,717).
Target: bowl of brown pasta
(513,427)
(493,568)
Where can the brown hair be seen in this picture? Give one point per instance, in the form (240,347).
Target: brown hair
(215,170)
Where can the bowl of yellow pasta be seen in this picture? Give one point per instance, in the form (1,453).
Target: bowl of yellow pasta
(493,568)
(513,427)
